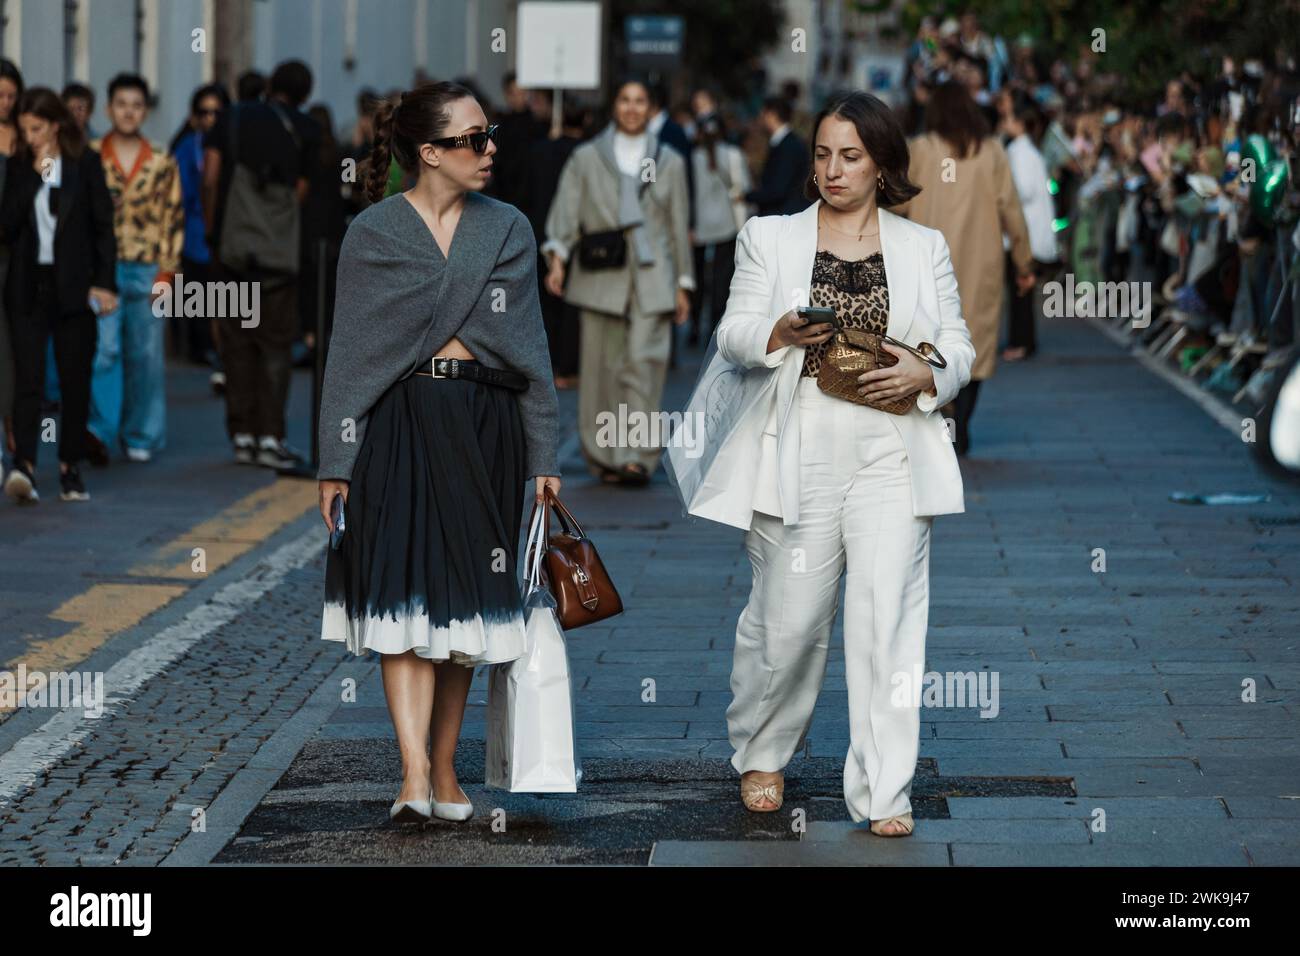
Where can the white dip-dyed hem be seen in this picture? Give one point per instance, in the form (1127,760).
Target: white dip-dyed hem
(476,640)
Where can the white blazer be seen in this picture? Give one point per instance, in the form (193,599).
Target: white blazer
(744,400)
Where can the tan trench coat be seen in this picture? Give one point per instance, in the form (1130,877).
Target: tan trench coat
(972,206)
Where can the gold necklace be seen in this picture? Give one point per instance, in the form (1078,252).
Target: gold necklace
(868,235)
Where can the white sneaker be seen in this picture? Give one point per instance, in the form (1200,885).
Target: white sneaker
(245,448)
(276,453)
(20,485)
(139,454)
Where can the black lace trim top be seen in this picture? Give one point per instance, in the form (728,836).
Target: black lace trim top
(858,292)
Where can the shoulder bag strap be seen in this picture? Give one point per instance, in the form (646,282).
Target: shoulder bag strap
(286,123)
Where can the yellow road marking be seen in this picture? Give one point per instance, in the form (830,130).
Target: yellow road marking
(104,610)
(233,532)
(99,612)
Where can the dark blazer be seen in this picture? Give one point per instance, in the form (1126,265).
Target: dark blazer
(780,188)
(85,250)
(672,134)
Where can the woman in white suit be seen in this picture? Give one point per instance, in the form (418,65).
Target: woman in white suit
(823,486)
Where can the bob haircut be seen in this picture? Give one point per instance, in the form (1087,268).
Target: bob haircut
(881,134)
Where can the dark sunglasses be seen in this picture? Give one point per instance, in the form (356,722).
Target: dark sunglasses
(476,141)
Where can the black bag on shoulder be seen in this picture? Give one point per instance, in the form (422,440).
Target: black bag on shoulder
(608,249)
(261,218)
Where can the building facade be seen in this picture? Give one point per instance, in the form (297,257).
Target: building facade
(178,45)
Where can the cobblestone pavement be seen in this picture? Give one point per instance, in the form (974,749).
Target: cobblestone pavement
(1121,737)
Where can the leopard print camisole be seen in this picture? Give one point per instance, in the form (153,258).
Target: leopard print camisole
(858,292)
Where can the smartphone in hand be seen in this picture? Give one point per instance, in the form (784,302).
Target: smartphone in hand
(812,314)
(336,516)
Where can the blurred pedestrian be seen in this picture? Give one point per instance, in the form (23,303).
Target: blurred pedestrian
(967,193)
(358,150)
(780,187)
(618,233)
(200,331)
(1023,124)
(661,124)
(128,400)
(250,87)
(546,161)
(800,119)
(721,182)
(80,101)
(517,129)
(256,163)
(435,410)
(11,91)
(324,219)
(57,217)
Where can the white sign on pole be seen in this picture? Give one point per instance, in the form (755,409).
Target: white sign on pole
(558,45)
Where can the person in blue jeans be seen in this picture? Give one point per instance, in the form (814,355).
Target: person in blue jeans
(128,396)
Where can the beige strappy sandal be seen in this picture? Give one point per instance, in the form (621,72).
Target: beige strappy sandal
(905,821)
(751,794)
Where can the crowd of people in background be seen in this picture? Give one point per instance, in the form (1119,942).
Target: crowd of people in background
(1192,194)
(1058,169)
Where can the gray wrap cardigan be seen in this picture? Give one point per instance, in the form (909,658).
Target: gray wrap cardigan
(399,302)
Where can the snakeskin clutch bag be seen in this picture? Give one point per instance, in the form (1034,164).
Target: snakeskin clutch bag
(854,351)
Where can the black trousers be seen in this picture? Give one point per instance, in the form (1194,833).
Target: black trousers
(563,327)
(713,283)
(963,409)
(75,336)
(1023,318)
(192,335)
(258,361)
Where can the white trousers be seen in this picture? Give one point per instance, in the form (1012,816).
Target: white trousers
(855,515)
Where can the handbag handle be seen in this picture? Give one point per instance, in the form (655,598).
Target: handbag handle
(536,547)
(568,523)
(926,358)
(538,542)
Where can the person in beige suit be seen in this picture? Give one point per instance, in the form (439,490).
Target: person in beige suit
(967,193)
(623,191)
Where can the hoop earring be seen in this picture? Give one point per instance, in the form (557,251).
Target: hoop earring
(814,179)
(880,183)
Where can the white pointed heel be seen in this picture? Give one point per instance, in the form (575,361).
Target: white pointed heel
(412,811)
(453,811)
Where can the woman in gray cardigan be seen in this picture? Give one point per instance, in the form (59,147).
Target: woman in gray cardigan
(437,405)
(622,190)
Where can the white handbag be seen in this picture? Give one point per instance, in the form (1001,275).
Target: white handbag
(531,739)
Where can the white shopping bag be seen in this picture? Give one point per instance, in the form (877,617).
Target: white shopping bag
(531,744)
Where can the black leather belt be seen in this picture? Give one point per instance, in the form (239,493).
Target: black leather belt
(475,371)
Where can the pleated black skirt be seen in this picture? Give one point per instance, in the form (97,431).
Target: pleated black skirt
(429,551)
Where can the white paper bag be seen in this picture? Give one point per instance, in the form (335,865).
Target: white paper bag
(531,744)
(724,400)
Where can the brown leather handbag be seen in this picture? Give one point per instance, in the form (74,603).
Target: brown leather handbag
(854,351)
(577,578)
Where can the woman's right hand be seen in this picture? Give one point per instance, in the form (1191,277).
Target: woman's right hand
(555,277)
(790,329)
(328,489)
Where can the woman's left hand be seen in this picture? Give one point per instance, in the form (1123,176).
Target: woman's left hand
(544,482)
(898,381)
(683,307)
